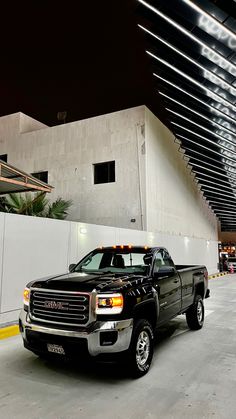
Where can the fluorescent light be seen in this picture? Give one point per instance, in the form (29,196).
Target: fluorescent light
(226,212)
(202,12)
(205,129)
(199,114)
(202,146)
(217,193)
(211,165)
(227,64)
(212,94)
(215,203)
(198,100)
(217,189)
(221,199)
(200,154)
(213,183)
(227,86)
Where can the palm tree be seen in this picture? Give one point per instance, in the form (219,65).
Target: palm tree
(36,205)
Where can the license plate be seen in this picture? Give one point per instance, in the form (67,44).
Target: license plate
(56,349)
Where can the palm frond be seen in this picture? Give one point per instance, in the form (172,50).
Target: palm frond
(58,209)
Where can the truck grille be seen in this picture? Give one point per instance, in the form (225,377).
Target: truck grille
(62,307)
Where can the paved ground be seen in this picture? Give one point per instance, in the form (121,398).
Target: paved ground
(193,375)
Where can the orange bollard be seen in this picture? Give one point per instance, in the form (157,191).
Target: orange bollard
(231,269)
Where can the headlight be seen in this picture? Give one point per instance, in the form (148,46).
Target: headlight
(26,296)
(109,303)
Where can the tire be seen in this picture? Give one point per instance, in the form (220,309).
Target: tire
(140,352)
(195,314)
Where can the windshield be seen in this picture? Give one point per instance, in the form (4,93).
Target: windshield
(115,261)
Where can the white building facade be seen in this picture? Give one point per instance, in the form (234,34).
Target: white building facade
(148,188)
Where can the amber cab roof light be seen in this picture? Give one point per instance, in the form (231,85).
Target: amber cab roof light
(124,246)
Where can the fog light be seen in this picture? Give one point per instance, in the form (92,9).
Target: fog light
(108,338)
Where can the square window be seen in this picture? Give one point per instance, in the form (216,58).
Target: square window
(104,172)
(3,157)
(43,176)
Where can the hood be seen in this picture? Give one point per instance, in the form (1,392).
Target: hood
(77,281)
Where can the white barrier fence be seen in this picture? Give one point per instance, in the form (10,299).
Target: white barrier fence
(33,247)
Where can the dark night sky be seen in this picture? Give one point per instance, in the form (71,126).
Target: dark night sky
(86,57)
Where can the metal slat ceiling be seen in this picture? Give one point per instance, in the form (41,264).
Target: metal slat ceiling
(192,50)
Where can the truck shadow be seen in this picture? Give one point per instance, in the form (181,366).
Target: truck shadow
(173,328)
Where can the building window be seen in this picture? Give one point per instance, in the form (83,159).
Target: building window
(3,157)
(104,172)
(43,176)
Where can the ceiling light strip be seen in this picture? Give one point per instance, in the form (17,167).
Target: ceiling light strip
(227,219)
(227,86)
(217,189)
(199,114)
(181,73)
(178,136)
(219,181)
(203,155)
(205,129)
(232,214)
(215,204)
(200,180)
(217,193)
(225,202)
(191,36)
(225,174)
(216,199)
(216,22)
(218,112)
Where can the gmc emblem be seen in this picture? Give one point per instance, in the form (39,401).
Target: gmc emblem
(56,305)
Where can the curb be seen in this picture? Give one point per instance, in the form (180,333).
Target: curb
(217,275)
(7,332)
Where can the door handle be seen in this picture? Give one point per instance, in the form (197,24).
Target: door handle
(176,280)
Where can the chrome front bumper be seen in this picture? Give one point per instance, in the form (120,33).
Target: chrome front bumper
(122,327)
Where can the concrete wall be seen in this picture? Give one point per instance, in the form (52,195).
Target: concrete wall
(153,185)
(69,151)
(174,203)
(32,247)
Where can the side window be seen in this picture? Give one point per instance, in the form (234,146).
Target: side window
(159,261)
(167,259)
(92,262)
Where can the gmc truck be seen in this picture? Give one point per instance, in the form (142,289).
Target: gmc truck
(111,303)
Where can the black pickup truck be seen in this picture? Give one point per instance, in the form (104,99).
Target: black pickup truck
(111,303)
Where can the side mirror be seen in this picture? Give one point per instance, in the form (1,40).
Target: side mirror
(167,271)
(71,266)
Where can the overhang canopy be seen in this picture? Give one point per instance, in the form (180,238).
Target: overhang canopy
(14,180)
(192,51)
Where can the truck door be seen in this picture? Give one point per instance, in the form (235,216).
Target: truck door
(167,284)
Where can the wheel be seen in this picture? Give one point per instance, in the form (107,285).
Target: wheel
(195,314)
(141,348)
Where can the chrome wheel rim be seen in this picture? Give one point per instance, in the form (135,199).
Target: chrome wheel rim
(142,348)
(199,311)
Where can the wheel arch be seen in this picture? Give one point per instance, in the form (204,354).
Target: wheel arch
(200,290)
(148,310)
